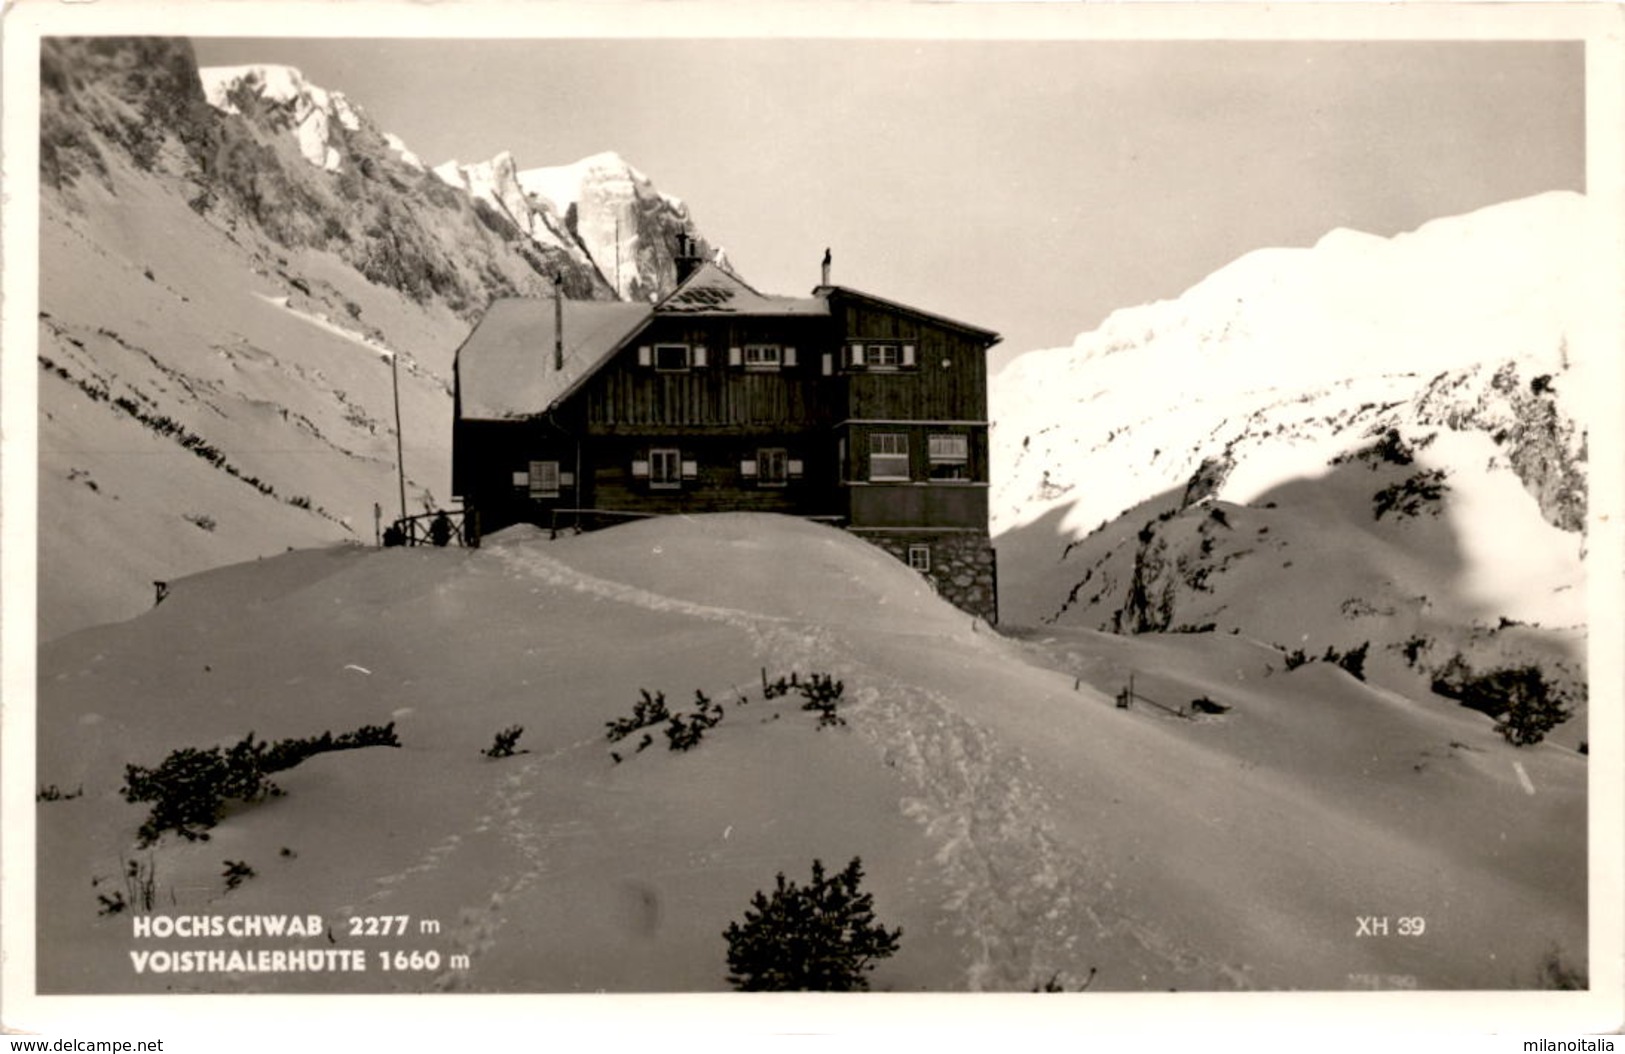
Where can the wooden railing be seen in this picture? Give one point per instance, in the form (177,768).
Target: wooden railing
(442,528)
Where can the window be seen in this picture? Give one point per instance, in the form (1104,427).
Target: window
(919,557)
(665,469)
(950,456)
(772,467)
(763,356)
(883,357)
(544,479)
(671,358)
(888,456)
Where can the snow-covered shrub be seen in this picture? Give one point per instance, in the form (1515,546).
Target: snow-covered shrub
(1524,705)
(821,937)
(649,710)
(236,873)
(1408,498)
(189,790)
(683,731)
(1352,660)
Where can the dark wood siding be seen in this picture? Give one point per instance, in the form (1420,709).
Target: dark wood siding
(918,505)
(947,383)
(718,485)
(626,397)
(488,455)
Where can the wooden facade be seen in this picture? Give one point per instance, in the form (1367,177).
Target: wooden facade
(840,406)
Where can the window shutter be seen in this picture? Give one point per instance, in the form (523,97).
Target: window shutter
(855,355)
(567,479)
(829,364)
(794,467)
(699,356)
(789,356)
(521,479)
(691,469)
(747,469)
(640,469)
(736,356)
(646,355)
(908,354)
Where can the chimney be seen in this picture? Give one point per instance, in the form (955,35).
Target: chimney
(688,257)
(558,323)
(824,279)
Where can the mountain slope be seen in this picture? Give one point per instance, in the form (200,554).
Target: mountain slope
(229,260)
(1373,441)
(1015,823)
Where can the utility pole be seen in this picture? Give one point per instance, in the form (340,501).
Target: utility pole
(558,321)
(400,457)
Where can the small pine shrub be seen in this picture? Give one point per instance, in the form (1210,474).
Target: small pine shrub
(190,789)
(503,745)
(51,792)
(1352,660)
(1410,497)
(684,731)
(822,693)
(236,873)
(1412,649)
(140,890)
(821,937)
(649,710)
(1296,658)
(1524,705)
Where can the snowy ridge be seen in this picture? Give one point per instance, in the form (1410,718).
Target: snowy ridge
(314,109)
(623,222)
(1134,406)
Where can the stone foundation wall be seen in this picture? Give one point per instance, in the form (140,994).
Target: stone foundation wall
(964,567)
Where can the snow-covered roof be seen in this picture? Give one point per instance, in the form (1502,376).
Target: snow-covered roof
(505,367)
(710,290)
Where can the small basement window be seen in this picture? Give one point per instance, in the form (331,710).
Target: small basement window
(919,557)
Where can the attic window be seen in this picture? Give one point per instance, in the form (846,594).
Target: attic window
(671,358)
(919,557)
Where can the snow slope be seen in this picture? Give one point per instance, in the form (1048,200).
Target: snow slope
(1377,442)
(1010,818)
(218,312)
(311,110)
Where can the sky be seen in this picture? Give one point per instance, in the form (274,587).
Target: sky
(1026,186)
